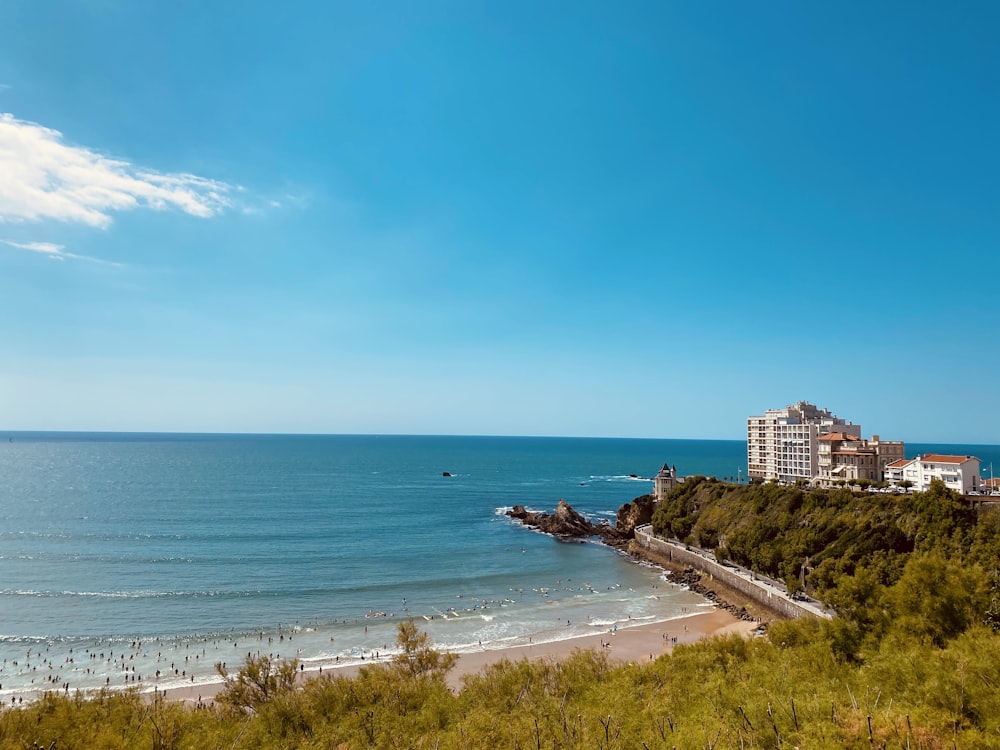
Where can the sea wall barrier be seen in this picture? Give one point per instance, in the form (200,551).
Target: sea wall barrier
(766,593)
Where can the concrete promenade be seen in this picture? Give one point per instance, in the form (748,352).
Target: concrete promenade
(768,593)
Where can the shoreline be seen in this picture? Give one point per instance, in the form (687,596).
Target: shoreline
(628,645)
(626,642)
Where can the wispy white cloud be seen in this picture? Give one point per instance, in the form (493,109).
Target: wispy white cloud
(262,205)
(41,178)
(57,252)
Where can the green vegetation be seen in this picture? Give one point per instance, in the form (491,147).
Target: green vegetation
(782,531)
(913,661)
(259,682)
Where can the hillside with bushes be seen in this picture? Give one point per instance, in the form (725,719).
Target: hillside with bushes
(926,564)
(813,537)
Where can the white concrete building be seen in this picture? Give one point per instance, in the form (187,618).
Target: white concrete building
(896,471)
(959,473)
(782,443)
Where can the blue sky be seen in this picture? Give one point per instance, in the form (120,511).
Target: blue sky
(561,218)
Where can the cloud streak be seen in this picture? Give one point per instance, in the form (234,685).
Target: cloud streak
(56,252)
(42,178)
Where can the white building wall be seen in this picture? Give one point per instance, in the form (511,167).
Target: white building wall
(962,476)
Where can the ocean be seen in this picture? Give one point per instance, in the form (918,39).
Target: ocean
(141,560)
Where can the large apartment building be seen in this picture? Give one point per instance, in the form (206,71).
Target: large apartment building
(782,444)
(804,442)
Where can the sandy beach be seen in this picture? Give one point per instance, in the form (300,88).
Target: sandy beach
(633,644)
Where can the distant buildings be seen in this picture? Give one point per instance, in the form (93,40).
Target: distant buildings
(664,481)
(844,456)
(959,473)
(783,444)
(902,470)
(803,442)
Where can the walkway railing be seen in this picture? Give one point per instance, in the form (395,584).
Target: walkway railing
(767,592)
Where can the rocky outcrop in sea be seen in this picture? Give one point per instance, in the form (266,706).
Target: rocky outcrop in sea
(566,523)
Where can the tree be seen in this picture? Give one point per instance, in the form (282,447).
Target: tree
(991,617)
(417,656)
(858,601)
(937,597)
(259,681)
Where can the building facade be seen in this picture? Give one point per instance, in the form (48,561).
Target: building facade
(902,470)
(664,481)
(783,444)
(848,457)
(959,473)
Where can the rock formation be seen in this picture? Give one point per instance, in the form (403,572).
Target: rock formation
(694,581)
(636,513)
(566,523)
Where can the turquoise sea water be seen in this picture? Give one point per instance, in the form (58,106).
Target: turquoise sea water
(124,554)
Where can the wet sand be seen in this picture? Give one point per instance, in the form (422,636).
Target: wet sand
(635,644)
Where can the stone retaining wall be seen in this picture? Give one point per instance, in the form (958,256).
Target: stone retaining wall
(743,581)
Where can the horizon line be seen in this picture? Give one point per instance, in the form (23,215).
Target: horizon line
(205,433)
(177,433)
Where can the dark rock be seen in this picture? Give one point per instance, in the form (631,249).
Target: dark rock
(691,578)
(636,513)
(565,522)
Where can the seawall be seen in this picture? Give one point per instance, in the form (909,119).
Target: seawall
(766,594)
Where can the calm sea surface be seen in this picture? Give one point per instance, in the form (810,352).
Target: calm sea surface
(124,555)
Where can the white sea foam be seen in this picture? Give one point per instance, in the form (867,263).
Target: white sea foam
(619,478)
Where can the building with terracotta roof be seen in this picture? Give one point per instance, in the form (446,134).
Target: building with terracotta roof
(782,444)
(849,457)
(959,473)
(897,471)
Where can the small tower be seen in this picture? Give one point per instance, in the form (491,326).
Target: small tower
(664,481)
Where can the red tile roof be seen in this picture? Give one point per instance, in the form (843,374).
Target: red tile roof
(937,458)
(839,436)
(899,464)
